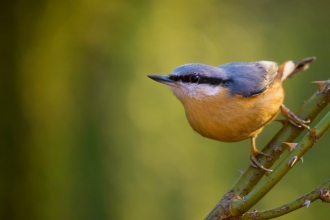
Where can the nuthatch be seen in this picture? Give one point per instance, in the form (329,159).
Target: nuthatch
(234,101)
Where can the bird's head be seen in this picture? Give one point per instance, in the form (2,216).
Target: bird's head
(194,80)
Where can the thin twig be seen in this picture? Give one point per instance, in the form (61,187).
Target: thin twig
(321,192)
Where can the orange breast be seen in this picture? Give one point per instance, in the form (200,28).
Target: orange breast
(229,118)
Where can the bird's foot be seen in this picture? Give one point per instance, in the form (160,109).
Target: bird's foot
(255,163)
(294,119)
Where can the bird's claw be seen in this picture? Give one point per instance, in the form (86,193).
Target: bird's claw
(255,163)
(294,119)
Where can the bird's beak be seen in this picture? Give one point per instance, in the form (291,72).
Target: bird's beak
(162,79)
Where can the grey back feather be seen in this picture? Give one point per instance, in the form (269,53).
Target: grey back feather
(250,78)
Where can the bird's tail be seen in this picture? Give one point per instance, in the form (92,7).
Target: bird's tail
(291,68)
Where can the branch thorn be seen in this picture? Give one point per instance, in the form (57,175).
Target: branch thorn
(291,145)
(325,195)
(323,86)
(241,171)
(292,161)
(306,203)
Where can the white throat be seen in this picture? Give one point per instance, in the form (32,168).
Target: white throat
(192,90)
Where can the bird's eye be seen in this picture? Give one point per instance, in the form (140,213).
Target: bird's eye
(194,78)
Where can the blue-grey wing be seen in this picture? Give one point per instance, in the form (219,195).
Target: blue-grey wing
(251,78)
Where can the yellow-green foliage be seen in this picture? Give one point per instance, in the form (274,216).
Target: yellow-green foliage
(86,135)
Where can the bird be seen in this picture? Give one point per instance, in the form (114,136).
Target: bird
(234,101)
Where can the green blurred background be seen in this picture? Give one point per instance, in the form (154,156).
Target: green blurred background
(86,135)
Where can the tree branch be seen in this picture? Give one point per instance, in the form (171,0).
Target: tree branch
(285,165)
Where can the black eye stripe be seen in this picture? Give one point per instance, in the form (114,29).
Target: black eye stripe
(202,79)
(211,81)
